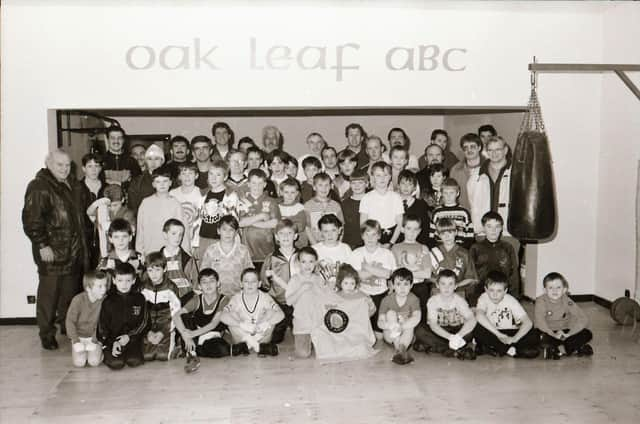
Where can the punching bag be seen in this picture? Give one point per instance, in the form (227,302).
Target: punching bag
(532,208)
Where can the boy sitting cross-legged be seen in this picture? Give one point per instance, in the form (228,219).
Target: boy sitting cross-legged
(251,316)
(450,322)
(503,325)
(399,315)
(562,323)
(199,322)
(123,321)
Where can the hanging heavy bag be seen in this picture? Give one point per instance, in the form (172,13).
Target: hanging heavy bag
(532,208)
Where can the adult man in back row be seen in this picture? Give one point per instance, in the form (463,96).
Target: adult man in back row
(54,224)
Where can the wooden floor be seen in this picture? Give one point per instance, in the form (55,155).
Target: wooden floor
(41,386)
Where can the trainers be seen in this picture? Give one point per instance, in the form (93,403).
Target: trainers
(465,353)
(268,349)
(193,363)
(419,347)
(449,353)
(551,353)
(407,357)
(528,353)
(239,349)
(398,358)
(585,350)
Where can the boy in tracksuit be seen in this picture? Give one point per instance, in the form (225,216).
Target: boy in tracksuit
(276,271)
(123,321)
(163,303)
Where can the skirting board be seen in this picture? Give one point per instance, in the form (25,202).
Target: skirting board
(578,298)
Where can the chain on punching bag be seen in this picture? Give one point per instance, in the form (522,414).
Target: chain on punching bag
(532,210)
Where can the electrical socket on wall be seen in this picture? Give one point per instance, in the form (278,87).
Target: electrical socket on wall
(31,299)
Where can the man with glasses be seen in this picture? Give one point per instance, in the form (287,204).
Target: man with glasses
(470,166)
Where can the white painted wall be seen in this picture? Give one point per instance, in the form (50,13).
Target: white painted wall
(74,56)
(619,155)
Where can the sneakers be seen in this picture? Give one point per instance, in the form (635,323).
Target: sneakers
(49,343)
(193,363)
(268,349)
(585,350)
(402,357)
(239,349)
(528,353)
(419,347)
(465,353)
(551,352)
(485,350)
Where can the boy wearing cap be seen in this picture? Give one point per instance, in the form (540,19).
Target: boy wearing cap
(154,211)
(141,186)
(351,207)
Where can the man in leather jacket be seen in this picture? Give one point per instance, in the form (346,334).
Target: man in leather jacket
(53,222)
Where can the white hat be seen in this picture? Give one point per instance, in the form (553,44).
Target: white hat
(154,150)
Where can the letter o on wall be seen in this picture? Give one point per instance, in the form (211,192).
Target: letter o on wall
(150,53)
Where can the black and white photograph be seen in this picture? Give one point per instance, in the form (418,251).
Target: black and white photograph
(319,211)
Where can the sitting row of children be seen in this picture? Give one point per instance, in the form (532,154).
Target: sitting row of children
(134,326)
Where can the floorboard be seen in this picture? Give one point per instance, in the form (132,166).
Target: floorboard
(43,387)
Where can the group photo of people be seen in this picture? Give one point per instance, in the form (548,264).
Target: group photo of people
(218,245)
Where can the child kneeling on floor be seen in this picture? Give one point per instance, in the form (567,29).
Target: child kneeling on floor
(450,322)
(562,323)
(199,324)
(82,320)
(399,315)
(251,316)
(504,328)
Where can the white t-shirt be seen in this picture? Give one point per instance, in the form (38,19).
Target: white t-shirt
(332,254)
(195,197)
(384,208)
(254,312)
(380,257)
(451,312)
(506,315)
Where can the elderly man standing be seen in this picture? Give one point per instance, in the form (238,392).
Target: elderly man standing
(54,223)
